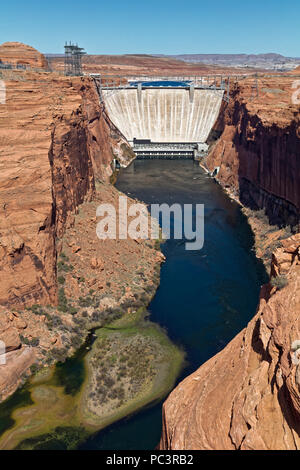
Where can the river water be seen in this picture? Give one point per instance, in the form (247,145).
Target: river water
(205,297)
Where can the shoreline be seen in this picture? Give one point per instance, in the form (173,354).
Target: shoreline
(267,237)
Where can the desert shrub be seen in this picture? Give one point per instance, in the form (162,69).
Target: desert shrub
(34,368)
(113,359)
(149,288)
(36,309)
(75,342)
(80,322)
(73,310)
(260,214)
(62,300)
(56,321)
(30,342)
(61,279)
(64,256)
(144,297)
(59,355)
(85,301)
(128,303)
(279,282)
(34,342)
(96,315)
(287,232)
(62,266)
(109,381)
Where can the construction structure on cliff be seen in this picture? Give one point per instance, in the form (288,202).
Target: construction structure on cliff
(73,59)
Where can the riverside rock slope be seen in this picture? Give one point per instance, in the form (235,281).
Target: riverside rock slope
(248,395)
(256,144)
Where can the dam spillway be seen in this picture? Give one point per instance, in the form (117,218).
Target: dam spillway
(168,114)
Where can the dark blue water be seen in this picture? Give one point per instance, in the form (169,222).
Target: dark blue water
(205,297)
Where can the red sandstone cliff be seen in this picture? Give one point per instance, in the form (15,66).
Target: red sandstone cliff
(16,53)
(248,395)
(258,150)
(55,140)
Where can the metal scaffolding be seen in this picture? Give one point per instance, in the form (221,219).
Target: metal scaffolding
(73,56)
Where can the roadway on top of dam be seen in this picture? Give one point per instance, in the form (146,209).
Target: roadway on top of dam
(204,82)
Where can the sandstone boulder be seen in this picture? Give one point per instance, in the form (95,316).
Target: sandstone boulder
(11,339)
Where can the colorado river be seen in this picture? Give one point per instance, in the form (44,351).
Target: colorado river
(205,297)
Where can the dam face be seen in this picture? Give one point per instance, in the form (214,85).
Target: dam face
(163,114)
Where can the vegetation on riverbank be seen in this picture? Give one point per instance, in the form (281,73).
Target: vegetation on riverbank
(131,364)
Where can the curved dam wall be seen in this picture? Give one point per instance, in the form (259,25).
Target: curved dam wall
(164,115)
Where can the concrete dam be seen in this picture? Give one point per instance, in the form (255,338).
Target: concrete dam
(163,114)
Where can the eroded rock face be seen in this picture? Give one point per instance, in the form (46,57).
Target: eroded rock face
(15,358)
(248,395)
(17,53)
(17,362)
(55,141)
(258,151)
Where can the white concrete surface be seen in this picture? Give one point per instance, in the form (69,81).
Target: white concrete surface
(164,115)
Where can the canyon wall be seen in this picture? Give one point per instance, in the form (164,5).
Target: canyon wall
(56,140)
(258,147)
(164,115)
(247,396)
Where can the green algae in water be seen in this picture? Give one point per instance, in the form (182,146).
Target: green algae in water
(58,417)
(71,373)
(20,398)
(61,438)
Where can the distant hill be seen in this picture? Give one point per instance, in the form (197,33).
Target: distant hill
(266,61)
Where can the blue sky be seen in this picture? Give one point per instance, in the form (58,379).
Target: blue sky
(166,27)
